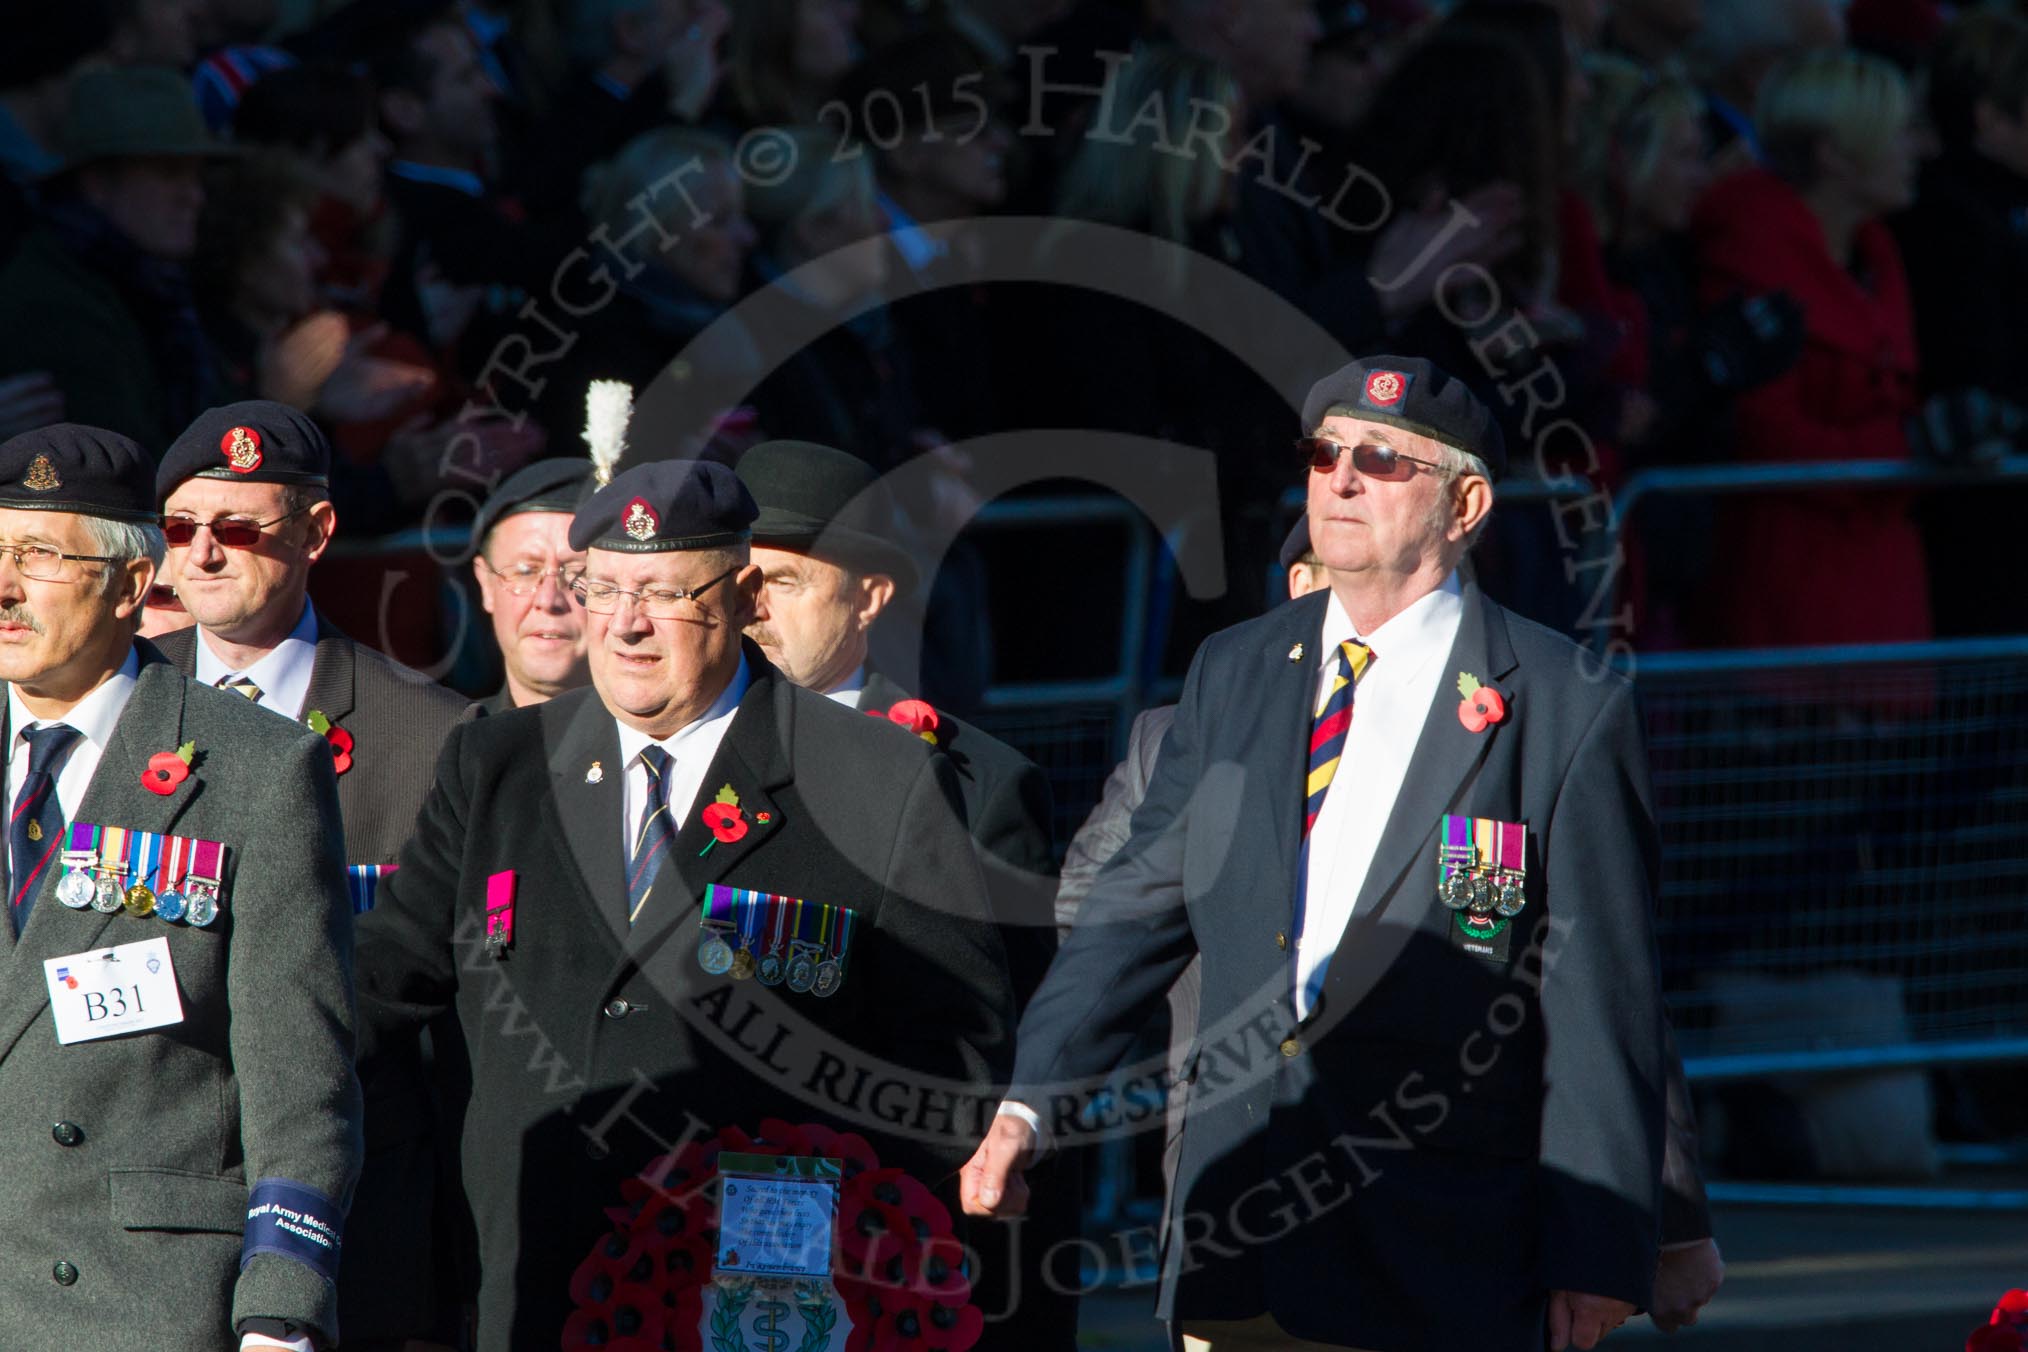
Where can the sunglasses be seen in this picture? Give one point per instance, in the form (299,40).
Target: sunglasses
(1371,459)
(181,530)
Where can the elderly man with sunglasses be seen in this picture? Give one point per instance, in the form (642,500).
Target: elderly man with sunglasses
(246,516)
(1410,835)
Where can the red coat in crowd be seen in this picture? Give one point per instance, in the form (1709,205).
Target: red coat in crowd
(1831,565)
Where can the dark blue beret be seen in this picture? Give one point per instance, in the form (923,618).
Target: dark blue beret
(68,467)
(255,441)
(1413,394)
(559,484)
(665,505)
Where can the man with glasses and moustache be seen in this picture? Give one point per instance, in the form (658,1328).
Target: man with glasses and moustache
(556,876)
(524,567)
(173,854)
(1411,837)
(246,515)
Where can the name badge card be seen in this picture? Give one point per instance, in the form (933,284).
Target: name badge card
(109,991)
(775,1214)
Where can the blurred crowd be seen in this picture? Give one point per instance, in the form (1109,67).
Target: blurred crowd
(1650,232)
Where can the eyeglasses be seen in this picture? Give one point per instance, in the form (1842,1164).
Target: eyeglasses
(181,530)
(45,564)
(523,580)
(1371,459)
(657,603)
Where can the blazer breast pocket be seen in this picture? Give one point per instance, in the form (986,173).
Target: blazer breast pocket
(176,1199)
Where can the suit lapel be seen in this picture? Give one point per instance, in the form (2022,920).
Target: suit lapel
(151,722)
(587,798)
(1446,757)
(1290,686)
(753,761)
(330,692)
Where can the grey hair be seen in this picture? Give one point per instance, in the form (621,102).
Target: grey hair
(1457,464)
(123,542)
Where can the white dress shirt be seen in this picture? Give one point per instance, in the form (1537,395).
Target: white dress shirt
(283,673)
(94,717)
(847,692)
(1389,706)
(690,751)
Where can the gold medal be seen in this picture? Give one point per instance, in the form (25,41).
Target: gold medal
(140,901)
(743,964)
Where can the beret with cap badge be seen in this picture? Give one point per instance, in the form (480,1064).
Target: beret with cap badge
(1415,395)
(68,467)
(558,484)
(254,441)
(666,505)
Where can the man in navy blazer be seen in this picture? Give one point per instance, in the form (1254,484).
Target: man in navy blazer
(1411,836)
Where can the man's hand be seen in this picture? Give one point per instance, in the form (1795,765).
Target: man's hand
(1581,1321)
(991,1184)
(1685,1281)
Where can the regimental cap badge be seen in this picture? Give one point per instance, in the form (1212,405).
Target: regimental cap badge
(640,522)
(1384,389)
(242,449)
(41,476)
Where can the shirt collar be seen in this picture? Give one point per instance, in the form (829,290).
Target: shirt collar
(711,723)
(282,673)
(464,180)
(1422,632)
(848,691)
(96,714)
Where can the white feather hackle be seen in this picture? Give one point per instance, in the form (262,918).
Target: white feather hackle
(608,404)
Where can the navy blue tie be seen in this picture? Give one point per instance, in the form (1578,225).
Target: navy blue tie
(35,832)
(657,836)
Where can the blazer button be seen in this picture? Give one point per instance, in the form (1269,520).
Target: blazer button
(1281,940)
(619,1009)
(67,1133)
(65,1273)
(1290,1047)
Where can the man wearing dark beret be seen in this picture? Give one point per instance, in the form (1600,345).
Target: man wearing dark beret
(828,572)
(523,565)
(176,1016)
(1410,835)
(693,907)
(247,514)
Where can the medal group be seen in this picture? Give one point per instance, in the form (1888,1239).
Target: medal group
(780,940)
(112,868)
(1483,871)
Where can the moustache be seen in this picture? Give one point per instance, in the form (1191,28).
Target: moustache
(762,635)
(20,615)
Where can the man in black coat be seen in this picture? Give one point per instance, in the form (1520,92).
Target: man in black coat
(565,895)
(1425,1101)
(247,515)
(828,572)
(523,564)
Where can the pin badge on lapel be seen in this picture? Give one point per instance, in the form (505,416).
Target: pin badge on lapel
(1296,653)
(596,774)
(500,913)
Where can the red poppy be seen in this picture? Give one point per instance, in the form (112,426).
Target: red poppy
(1994,1338)
(341,749)
(726,821)
(917,716)
(166,770)
(1482,707)
(2013,1307)
(953,1328)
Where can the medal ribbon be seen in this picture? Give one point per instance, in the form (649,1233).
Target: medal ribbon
(363,880)
(84,839)
(1457,847)
(113,851)
(207,861)
(842,938)
(145,849)
(1513,848)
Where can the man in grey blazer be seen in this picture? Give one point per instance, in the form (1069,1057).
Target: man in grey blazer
(247,516)
(176,1017)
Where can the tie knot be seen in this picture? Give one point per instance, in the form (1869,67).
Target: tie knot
(241,685)
(1355,657)
(45,744)
(657,761)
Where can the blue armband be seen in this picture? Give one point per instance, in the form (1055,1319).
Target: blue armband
(296,1221)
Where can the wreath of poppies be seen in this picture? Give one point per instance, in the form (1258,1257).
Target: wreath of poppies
(898,1268)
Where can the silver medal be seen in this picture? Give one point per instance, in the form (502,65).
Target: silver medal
(714,955)
(200,905)
(75,890)
(107,898)
(830,975)
(771,970)
(802,973)
(1509,897)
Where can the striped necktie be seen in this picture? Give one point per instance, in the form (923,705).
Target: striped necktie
(35,831)
(1334,720)
(243,686)
(656,837)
